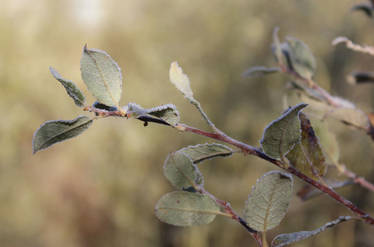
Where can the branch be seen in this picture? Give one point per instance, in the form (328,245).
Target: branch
(328,98)
(248,149)
(204,115)
(355,178)
(228,209)
(364,49)
(104,113)
(255,151)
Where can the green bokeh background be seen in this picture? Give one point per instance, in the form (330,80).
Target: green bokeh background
(100,189)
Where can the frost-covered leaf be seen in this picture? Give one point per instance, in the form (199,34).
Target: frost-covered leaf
(180,80)
(282,134)
(307,155)
(365,8)
(181,208)
(360,77)
(268,202)
(134,110)
(167,112)
(201,152)
(289,238)
(164,114)
(181,172)
(70,87)
(302,58)
(259,71)
(102,75)
(55,131)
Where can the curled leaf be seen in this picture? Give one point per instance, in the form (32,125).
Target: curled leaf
(282,134)
(167,112)
(134,110)
(180,80)
(102,75)
(55,131)
(181,208)
(181,172)
(268,201)
(289,238)
(201,152)
(164,114)
(72,90)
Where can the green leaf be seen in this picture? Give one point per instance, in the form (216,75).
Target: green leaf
(167,112)
(55,131)
(181,172)
(282,134)
(180,80)
(181,208)
(164,114)
(307,156)
(289,238)
(268,202)
(327,140)
(102,76)
(71,89)
(259,71)
(302,58)
(201,152)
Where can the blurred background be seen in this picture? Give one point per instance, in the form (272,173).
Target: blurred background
(100,189)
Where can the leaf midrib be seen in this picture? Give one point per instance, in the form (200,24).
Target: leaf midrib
(106,85)
(55,136)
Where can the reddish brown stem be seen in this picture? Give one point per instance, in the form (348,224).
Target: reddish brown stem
(254,151)
(228,209)
(104,113)
(248,149)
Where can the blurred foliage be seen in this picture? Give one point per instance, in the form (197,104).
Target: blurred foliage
(100,189)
